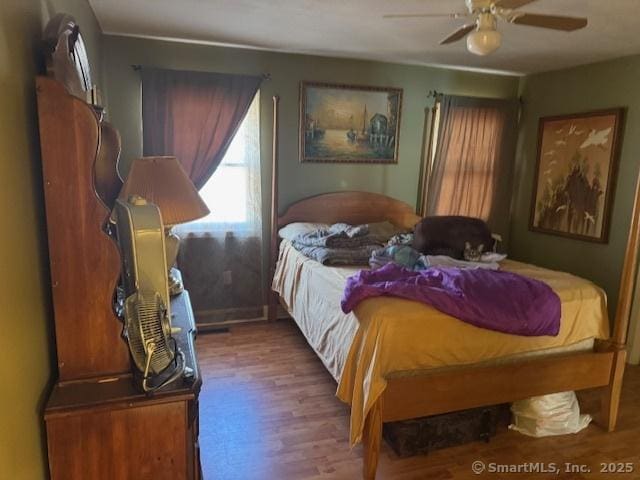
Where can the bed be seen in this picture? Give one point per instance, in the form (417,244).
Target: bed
(382,388)
(391,337)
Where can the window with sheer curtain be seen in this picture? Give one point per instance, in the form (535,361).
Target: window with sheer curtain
(233,192)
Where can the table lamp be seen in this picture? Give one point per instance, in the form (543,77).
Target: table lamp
(163,182)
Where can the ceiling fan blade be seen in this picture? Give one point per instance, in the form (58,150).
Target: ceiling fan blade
(568,24)
(458,34)
(425,15)
(511,4)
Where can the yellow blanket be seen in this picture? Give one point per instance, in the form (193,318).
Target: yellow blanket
(391,336)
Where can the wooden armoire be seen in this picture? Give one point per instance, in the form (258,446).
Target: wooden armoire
(99,426)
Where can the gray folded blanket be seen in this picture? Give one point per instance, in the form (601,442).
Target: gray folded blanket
(340,244)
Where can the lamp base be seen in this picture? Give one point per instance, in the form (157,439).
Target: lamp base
(172,244)
(174,279)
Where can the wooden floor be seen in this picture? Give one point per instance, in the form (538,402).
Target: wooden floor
(268,411)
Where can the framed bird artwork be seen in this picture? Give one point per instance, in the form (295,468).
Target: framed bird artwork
(576,174)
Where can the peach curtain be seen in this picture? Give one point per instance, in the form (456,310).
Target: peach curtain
(472,164)
(193,116)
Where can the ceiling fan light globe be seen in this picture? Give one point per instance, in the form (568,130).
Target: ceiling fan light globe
(483,42)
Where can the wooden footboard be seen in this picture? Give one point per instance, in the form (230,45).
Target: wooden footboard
(476,386)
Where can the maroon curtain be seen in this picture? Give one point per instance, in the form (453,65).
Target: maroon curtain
(193,116)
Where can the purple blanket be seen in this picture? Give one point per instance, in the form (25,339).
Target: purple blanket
(497,300)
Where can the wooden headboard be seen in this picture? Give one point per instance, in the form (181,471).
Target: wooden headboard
(350,207)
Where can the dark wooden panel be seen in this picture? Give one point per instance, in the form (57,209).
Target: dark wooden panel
(141,443)
(85,262)
(107,180)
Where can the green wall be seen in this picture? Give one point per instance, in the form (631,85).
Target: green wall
(26,342)
(296,180)
(597,86)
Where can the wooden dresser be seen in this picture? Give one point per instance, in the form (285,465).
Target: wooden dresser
(99,426)
(106,429)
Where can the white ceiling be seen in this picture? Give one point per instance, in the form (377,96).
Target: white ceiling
(356,29)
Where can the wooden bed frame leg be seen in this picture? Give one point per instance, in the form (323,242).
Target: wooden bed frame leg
(610,399)
(371,441)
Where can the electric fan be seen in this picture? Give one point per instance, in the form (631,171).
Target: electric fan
(146,311)
(149,334)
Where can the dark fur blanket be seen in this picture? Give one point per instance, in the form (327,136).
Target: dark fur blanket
(446,235)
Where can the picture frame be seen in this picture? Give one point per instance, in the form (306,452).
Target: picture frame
(576,169)
(342,123)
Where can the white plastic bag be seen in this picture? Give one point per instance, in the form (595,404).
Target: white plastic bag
(554,414)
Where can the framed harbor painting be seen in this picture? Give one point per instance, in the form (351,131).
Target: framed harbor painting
(576,173)
(349,124)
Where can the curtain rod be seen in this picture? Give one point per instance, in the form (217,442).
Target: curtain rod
(436,94)
(265,76)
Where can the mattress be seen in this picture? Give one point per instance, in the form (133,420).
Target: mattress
(387,336)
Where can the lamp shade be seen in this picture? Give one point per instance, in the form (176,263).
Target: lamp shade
(163,181)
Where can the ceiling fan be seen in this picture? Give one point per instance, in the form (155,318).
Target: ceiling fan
(482,35)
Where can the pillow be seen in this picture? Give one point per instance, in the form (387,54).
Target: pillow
(447,235)
(292,230)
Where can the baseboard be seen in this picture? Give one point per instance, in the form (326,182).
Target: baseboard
(217,318)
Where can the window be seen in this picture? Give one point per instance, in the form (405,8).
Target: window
(469,170)
(232,193)
(469,167)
